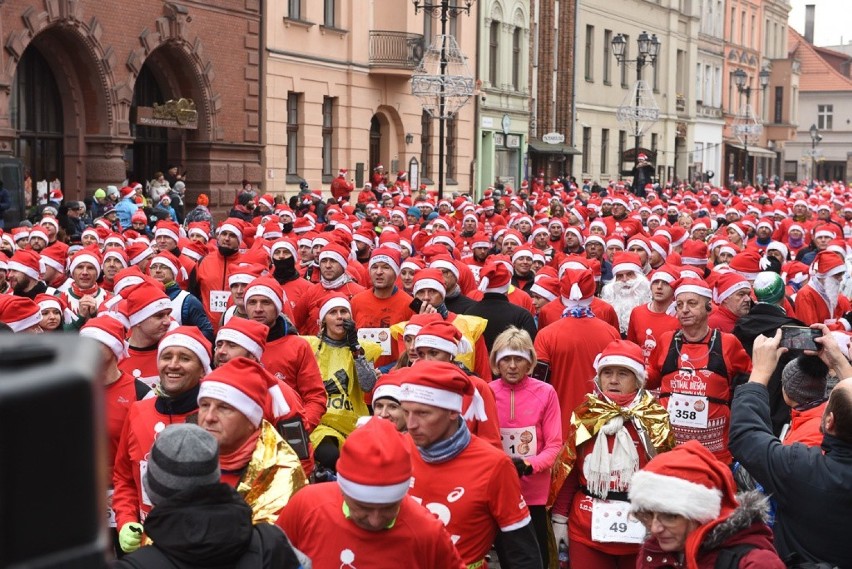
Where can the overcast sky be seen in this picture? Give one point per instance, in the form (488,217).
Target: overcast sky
(833,22)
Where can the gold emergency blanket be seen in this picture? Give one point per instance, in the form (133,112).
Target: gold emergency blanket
(471,327)
(592,414)
(272,476)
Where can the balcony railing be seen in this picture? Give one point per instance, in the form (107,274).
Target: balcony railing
(395,50)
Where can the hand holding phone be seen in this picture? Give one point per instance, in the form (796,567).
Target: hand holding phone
(800,338)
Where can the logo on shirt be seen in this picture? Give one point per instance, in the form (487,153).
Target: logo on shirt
(347,559)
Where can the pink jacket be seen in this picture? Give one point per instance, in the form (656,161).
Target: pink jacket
(530,403)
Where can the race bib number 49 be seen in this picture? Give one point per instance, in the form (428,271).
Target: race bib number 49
(612,523)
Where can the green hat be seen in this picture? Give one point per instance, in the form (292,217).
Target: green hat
(769,287)
(100,194)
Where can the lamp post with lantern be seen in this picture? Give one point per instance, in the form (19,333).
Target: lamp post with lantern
(816,138)
(637,115)
(748,126)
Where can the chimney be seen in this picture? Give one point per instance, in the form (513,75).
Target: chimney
(809,23)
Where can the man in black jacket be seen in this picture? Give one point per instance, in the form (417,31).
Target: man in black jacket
(198,521)
(766,316)
(495,306)
(811,486)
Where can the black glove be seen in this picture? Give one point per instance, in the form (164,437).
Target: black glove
(351,335)
(522,467)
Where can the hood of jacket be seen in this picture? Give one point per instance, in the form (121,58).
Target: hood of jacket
(753,509)
(206,526)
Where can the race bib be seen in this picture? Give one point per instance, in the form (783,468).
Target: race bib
(219,300)
(143,468)
(688,410)
(612,522)
(519,443)
(110,511)
(380,336)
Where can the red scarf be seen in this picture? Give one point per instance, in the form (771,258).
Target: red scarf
(240,457)
(80,293)
(621,399)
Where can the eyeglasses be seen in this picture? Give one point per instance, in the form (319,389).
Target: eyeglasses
(647,517)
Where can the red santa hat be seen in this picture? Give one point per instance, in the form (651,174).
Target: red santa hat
(232,225)
(139,217)
(389,385)
(639,241)
(660,244)
(18,312)
(697,286)
(171,262)
(386,255)
(26,261)
(268,200)
(826,263)
(126,278)
(284,243)
(626,262)
(49,220)
(188,337)
(577,287)
(248,387)
(167,229)
(119,254)
(522,252)
(55,256)
(748,263)
(429,278)
(687,481)
(200,228)
(331,301)
(694,252)
(335,252)
(108,331)
(546,287)
(495,277)
(248,334)
(666,273)
(244,273)
(268,288)
(438,384)
(727,284)
(374,465)
(418,321)
(622,353)
(138,252)
(443,336)
(144,300)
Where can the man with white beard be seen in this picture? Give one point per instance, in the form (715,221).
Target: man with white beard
(629,288)
(820,301)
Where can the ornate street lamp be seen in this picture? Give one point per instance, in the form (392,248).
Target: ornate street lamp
(442,81)
(816,138)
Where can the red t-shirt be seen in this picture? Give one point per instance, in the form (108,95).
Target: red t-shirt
(369,311)
(141,364)
(472,506)
(314,521)
(646,327)
(570,346)
(118,398)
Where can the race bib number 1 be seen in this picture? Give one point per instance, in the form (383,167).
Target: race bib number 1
(688,410)
(219,300)
(519,443)
(612,523)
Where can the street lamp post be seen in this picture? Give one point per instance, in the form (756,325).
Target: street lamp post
(442,85)
(816,137)
(744,88)
(649,49)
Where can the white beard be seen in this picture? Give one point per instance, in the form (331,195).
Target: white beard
(832,292)
(625,296)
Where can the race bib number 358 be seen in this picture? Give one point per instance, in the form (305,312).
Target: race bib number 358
(688,410)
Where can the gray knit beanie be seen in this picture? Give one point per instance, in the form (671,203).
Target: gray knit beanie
(183,456)
(804,378)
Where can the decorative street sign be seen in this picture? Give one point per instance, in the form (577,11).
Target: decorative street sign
(171,114)
(553,138)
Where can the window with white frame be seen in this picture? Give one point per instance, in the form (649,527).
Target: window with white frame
(825,117)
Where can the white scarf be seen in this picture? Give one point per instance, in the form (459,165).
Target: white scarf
(601,468)
(336,283)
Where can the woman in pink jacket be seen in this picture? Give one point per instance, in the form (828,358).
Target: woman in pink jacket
(530,424)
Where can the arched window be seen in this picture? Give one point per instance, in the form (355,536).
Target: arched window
(36,112)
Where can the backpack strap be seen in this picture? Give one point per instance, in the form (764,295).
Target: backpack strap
(730,557)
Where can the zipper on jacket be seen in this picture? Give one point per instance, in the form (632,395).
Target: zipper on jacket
(512,404)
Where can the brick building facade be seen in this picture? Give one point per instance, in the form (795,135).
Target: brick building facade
(73,72)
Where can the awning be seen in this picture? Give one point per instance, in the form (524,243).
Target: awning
(545,148)
(755,150)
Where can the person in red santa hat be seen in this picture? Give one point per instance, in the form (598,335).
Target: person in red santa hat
(55,314)
(614,432)
(687,501)
(552,311)
(121,391)
(443,456)
(183,358)
(820,301)
(649,321)
(732,295)
(208,280)
(567,348)
(695,368)
(630,288)
(287,355)
(380,520)
(21,315)
(240,404)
